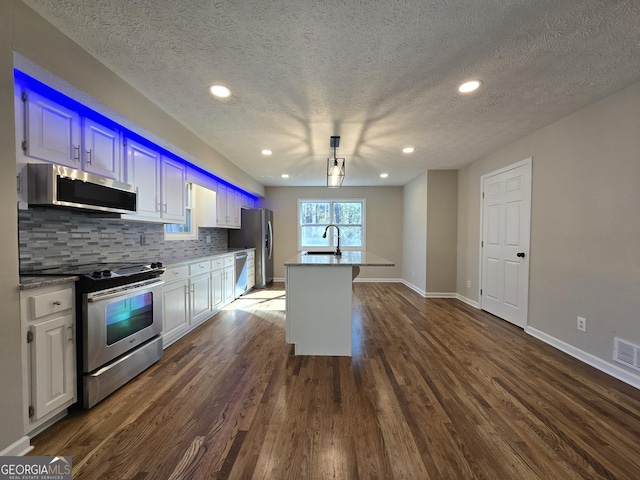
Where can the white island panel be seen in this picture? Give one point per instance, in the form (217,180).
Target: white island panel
(319,310)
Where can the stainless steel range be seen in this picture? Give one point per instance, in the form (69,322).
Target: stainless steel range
(119,319)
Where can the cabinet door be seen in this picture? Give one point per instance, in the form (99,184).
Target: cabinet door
(229,281)
(175,304)
(101,150)
(200,298)
(174,185)
(234,199)
(218,288)
(52,131)
(205,206)
(221,206)
(53,365)
(143,171)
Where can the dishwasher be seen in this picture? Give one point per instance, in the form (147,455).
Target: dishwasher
(241,273)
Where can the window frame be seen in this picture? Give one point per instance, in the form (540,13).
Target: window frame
(193,227)
(332,201)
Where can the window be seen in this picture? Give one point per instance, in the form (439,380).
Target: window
(315,215)
(187,230)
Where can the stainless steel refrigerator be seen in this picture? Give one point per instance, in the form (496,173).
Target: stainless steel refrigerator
(257,232)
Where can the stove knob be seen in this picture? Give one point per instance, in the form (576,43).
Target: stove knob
(106,273)
(154,265)
(159,264)
(96,274)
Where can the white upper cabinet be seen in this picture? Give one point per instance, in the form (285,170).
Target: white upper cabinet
(228,207)
(143,171)
(52,132)
(102,151)
(161,183)
(205,206)
(174,191)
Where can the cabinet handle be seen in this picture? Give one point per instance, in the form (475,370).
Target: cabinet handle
(70,327)
(165,208)
(89,156)
(77,155)
(57,302)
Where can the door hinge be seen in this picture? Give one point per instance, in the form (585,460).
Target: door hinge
(24,146)
(124,142)
(482,194)
(24,97)
(29,337)
(480,292)
(482,243)
(31,411)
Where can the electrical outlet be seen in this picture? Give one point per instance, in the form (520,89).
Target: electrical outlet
(582,324)
(208,238)
(412,273)
(468,283)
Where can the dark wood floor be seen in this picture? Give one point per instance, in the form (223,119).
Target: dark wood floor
(435,390)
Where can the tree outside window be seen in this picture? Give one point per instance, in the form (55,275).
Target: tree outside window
(315,215)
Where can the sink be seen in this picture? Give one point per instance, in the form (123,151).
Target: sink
(322,252)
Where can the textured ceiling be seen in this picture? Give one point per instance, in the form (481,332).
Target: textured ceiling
(381,74)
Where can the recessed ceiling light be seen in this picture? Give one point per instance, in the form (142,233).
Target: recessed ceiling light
(220,91)
(469,87)
(408,150)
(284,175)
(384,175)
(266,152)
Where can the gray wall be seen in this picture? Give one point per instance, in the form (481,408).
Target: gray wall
(585,223)
(442,230)
(11,401)
(384,223)
(414,246)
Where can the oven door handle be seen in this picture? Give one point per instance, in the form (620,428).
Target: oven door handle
(123,291)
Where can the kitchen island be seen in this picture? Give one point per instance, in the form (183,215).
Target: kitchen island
(318,300)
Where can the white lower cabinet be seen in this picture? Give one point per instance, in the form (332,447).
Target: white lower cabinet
(193,292)
(175,304)
(48,325)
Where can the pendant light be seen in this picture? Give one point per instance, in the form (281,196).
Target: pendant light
(335,166)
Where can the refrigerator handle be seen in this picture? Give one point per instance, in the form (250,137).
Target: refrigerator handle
(269,239)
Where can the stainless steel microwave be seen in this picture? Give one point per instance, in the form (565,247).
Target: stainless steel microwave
(58,186)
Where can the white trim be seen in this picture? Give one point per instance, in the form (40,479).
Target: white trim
(522,163)
(378,280)
(441,295)
(279,280)
(414,288)
(468,301)
(18,448)
(331,201)
(602,365)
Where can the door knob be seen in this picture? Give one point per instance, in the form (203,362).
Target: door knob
(520,254)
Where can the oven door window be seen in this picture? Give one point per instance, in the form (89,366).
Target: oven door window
(128,316)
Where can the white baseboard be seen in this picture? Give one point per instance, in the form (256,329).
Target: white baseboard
(18,448)
(419,291)
(279,280)
(468,301)
(441,295)
(602,365)
(377,280)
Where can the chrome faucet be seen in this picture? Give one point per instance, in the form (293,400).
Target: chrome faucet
(324,235)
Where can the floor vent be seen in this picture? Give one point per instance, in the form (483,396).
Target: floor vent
(626,353)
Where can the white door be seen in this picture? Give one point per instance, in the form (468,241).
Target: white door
(174,184)
(101,151)
(506,213)
(53,131)
(143,171)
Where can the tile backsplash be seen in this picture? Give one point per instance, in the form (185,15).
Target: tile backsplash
(61,237)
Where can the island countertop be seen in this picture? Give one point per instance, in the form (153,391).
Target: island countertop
(357,258)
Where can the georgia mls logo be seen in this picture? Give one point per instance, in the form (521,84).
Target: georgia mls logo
(35,468)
